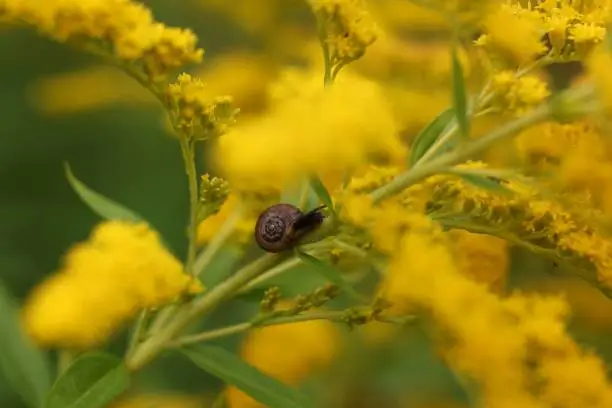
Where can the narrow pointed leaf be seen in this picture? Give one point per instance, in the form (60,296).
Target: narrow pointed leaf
(101,205)
(429,135)
(93,381)
(331,274)
(321,191)
(24,366)
(235,371)
(460,102)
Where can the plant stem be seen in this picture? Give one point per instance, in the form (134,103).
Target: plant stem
(64,360)
(271,273)
(151,347)
(338,316)
(139,330)
(435,165)
(187,148)
(216,243)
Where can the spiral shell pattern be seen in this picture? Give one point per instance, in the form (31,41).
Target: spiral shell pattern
(274,228)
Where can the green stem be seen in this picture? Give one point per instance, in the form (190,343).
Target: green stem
(187,148)
(433,166)
(138,332)
(64,360)
(338,316)
(151,347)
(271,273)
(207,255)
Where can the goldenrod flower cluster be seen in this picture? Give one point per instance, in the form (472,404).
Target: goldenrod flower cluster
(122,269)
(326,132)
(124,28)
(516,349)
(195,113)
(517,95)
(346,26)
(407,200)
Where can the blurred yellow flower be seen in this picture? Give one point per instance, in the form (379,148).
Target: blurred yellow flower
(328,131)
(288,352)
(104,282)
(481,257)
(599,65)
(89,89)
(516,349)
(513,34)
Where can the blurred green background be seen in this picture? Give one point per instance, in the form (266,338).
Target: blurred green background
(124,152)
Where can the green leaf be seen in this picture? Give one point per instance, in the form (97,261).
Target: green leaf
(319,188)
(234,371)
(101,205)
(331,274)
(429,135)
(93,380)
(24,366)
(460,102)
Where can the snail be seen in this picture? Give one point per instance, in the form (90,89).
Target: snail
(281,226)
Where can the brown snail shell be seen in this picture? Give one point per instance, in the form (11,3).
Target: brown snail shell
(281,226)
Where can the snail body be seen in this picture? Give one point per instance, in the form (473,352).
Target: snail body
(281,226)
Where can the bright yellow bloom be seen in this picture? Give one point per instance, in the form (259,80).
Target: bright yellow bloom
(518,95)
(194,113)
(104,282)
(599,65)
(515,349)
(287,352)
(516,37)
(126,26)
(482,257)
(348,27)
(334,129)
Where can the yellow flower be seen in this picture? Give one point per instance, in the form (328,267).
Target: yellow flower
(348,27)
(514,36)
(599,65)
(518,95)
(586,36)
(336,128)
(104,282)
(514,349)
(288,352)
(195,114)
(126,26)
(482,257)
(89,89)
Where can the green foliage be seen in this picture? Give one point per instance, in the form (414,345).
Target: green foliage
(429,135)
(460,95)
(235,371)
(25,366)
(101,205)
(321,191)
(92,381)
(330,273)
